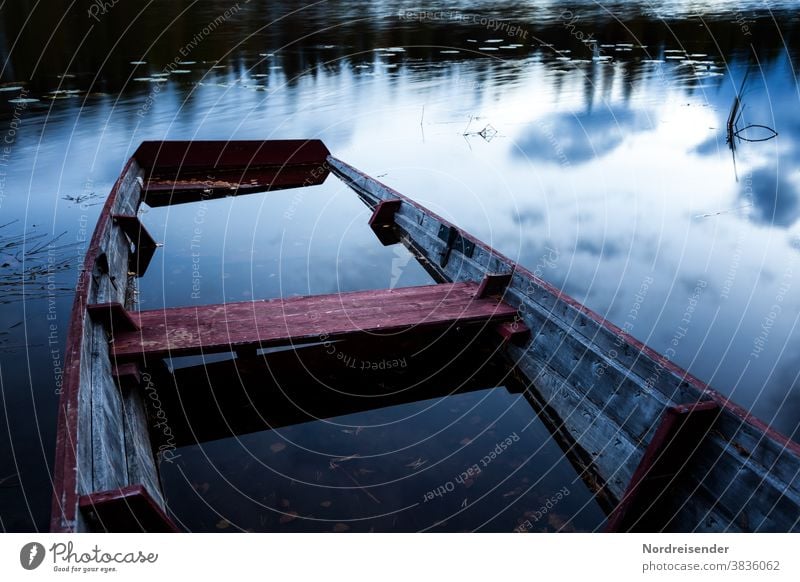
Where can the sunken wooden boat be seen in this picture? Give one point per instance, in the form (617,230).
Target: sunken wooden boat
(661,450)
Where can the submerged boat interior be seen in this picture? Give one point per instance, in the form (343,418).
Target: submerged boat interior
(656,448)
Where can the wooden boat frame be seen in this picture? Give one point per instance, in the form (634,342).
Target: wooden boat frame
(661,450)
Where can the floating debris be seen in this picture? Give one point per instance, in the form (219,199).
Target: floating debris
(721,212)
(82,198)
(138,62)
(417,464)
(13,88)
(22,100)
(288,517)
(487,133)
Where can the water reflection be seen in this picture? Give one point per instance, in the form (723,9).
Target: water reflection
(470,462)
(610,156)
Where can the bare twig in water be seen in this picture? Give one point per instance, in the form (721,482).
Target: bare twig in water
(735,113)
(83,198)
(734,132)
(9,478)
(771,133)
(359,485)
(488,133)
(720,212)
(29,263)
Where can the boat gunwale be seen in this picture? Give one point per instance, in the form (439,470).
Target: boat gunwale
(64,513)
(703,389)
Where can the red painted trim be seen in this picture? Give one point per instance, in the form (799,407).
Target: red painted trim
(250,324)
(157,156)
(703,390)
(127,499)
(667,430)
(493,284)
(383,215)
(114,316)
(134,230)
(515,332)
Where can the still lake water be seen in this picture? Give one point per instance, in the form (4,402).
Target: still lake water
(593,130)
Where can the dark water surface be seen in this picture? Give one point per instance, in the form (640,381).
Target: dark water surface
(591,132)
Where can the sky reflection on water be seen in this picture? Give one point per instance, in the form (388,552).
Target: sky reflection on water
(613,154)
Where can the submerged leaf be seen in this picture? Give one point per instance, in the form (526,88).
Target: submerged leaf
(288,517)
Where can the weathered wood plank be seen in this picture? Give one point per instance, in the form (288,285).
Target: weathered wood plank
(204,156)
(611,451)
(138,449)
(284,321)
(180,189)
(696,510)
(751,494)
(109,469)
(187,171)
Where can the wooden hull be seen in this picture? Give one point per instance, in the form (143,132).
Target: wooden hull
(607,395)
(661,450)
